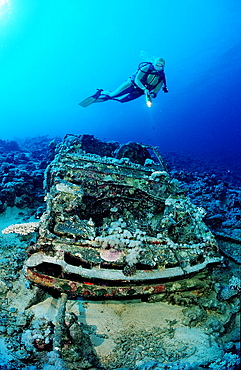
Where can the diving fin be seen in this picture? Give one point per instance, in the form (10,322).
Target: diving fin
(91,99)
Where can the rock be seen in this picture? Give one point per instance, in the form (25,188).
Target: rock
(193,315)
(3,287)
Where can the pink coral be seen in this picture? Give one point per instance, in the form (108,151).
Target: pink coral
(110,255)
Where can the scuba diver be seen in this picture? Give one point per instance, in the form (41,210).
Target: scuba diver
(148,80)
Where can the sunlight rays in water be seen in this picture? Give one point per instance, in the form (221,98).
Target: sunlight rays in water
(5,7)
(2,2)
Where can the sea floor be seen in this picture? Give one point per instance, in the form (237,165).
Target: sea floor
(125,334)
(194,329)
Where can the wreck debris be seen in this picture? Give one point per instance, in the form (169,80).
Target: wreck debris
(114,225)
(60,326)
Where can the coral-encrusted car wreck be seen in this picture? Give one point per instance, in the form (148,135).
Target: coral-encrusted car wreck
(116,223)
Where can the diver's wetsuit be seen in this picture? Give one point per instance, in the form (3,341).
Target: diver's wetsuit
(130,93)
(150,80)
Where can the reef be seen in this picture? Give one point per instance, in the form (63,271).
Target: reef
(22,167)
(184,209)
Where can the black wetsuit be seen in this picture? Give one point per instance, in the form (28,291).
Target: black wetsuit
(133,92)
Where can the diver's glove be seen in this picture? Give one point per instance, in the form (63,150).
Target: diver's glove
(165,89)
(153,95)
(146,91)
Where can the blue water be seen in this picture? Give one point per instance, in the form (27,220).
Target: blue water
(55,53)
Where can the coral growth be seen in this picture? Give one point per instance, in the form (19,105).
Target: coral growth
(21,229)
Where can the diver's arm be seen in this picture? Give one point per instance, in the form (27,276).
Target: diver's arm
(164,88)
(139,76)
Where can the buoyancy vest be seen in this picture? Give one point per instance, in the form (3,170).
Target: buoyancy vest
(150,76)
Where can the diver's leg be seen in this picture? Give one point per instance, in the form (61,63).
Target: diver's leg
(123,89)
(127,88)
(130,96)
